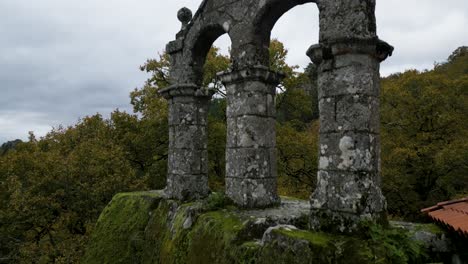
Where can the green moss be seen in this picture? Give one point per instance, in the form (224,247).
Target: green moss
(144,228)
(431,228)
(120,227)
(319,239)
(165,237)
(214,237)
(216,201)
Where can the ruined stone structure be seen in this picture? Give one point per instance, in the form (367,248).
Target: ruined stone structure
(348,56)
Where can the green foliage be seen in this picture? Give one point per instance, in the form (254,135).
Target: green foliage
(54,189)
(216,201)
(393,245)
(215,63)
(297,159)
(297,100)
(424,131)
(320,239)
(9,146)
(216,153)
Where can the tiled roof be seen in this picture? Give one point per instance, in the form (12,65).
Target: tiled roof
(453,214)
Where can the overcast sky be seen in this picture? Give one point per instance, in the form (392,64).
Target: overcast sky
(64,59)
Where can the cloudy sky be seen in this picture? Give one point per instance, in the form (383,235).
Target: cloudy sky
(64,59)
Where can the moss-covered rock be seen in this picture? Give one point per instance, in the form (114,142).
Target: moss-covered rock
(145,228)
(120,228)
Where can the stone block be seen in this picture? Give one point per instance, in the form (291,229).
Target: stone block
(188,113)
(189,137)
(348,192)
(349,152)
(202,112)
(251,163)
(348,80)
(255,131)
(187,162)
(247,103)
(360,60)
(271,105)
(231,133)
(250,86)
(186,187)
(252,193)
(349,113)
(353,19)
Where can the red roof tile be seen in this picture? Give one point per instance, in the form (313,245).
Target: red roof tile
(451,213)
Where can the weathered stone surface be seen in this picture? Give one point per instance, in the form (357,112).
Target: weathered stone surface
(186,187)
(250,103)
(348,184)
(251,163)
(349,113)
(348,192)
(145,227)
(349,80)
(251,137)
(349,151)
(251,131)
(347,19)
(187,177)
(188,161)
(252,193)
(348,59)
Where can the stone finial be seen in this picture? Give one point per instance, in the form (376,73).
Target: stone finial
(184,15)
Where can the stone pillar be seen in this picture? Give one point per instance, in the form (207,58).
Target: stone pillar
(187,177)
(348,182)
(251,176)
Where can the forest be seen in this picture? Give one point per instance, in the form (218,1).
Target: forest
(53,188)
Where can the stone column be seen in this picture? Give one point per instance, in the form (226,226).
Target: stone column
(348,183)
(187,177)
(251,176)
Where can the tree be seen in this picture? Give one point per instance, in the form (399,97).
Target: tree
(55,188)
(9,146)
(424,127)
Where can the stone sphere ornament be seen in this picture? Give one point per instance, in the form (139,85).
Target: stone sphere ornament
(184,15)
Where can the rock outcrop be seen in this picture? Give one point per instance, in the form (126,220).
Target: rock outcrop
(144,227)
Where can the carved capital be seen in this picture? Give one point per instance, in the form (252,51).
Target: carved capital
(254,73)
(374,47)
(186,90)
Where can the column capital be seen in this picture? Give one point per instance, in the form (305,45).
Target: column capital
(186,89)
(253,73)
(374,47)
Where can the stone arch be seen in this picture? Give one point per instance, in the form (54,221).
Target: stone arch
(271,12)
(198,47)
(348,58)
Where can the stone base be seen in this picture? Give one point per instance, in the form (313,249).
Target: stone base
(342,222)
(252,193)
(343,199)
(187,187)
